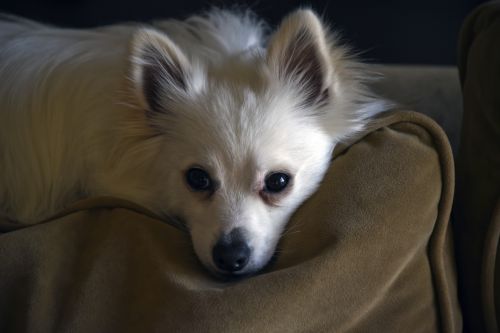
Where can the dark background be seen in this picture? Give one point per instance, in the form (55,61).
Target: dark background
(418,31)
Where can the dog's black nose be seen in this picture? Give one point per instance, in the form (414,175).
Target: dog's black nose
(231,253)
(231,256)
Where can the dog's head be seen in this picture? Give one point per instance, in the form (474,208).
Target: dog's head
(248,137)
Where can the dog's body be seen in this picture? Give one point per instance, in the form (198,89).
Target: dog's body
(197,119)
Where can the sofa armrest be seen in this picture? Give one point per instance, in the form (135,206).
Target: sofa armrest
(368,252)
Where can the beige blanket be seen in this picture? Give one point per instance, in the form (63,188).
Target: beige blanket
(369,252)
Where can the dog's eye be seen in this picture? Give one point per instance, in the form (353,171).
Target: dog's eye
(198,179)
(276,182)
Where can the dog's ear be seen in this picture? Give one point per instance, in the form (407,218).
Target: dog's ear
(299,52)
(158,69)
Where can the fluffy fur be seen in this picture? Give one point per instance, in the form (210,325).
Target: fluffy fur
(126,110)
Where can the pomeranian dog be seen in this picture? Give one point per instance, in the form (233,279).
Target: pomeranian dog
(212,120)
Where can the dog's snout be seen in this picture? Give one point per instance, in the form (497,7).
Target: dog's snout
(231,254)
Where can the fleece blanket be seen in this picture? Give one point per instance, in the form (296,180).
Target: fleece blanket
(369,252)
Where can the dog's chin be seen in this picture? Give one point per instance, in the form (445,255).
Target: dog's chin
(244,274)
(232,277)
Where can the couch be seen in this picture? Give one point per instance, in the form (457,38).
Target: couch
(381,247)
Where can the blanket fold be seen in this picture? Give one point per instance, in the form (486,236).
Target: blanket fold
(369,252)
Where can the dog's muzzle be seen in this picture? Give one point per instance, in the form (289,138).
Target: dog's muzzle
(231,252)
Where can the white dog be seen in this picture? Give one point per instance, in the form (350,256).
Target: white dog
(204,119)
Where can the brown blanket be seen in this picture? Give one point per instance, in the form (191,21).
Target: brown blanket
(369,252)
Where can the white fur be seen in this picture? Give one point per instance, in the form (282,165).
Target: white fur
(75,121)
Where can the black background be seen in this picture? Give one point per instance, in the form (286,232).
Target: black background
(412,32)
